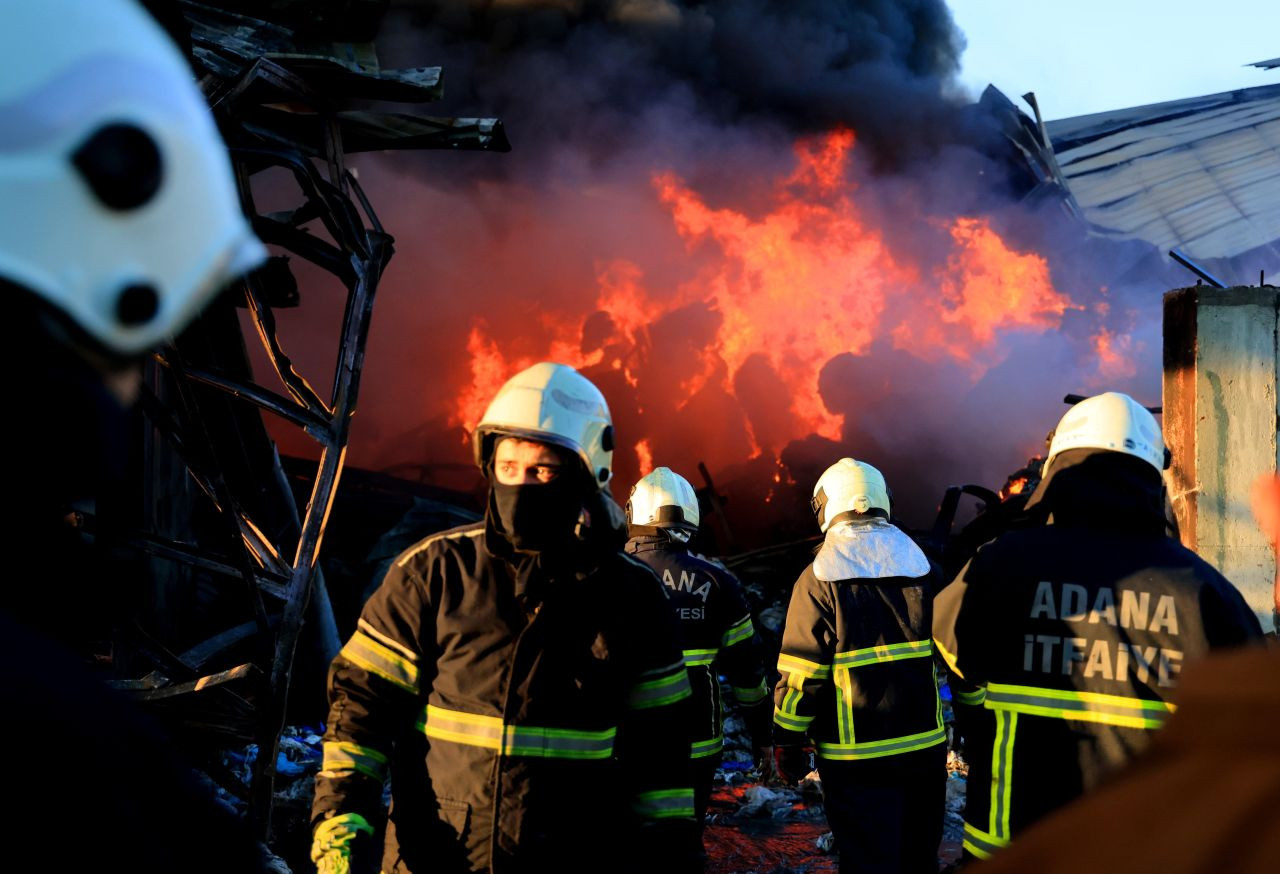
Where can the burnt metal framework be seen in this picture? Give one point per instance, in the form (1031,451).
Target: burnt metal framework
(279,108)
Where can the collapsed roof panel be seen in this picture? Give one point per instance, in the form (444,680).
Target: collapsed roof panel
(1201,175)
(377,131)
(226,44)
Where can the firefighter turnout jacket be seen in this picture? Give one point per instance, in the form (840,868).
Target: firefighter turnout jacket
(718,638)
(1072,635)
(531,713)
(856,666)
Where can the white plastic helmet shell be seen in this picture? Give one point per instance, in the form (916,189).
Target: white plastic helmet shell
(551,403)
(1113,421)
(848,486)
(133,269)
(663,499)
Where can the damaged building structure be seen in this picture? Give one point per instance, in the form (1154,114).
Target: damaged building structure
(256,564)
(1187,189)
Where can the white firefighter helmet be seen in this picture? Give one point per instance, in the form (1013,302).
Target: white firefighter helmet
(663,499)
(849,486)
(551,403)
(1112,421)
(118,206)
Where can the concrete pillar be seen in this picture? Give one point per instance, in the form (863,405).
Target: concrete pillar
(1221,366)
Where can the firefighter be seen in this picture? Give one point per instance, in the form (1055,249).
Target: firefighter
(519,679)
(858,680)
(119,220)
(1073,633)
(1218,758)
(715,623)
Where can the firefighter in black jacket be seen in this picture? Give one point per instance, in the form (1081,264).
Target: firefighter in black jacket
(715,622)
(1072,634)
(519,679)
(858,679)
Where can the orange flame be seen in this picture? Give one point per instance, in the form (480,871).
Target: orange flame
(1115,356)
(986,287)
(798,285)
(645,454)
(1014,487)
(802,280)
(489,370)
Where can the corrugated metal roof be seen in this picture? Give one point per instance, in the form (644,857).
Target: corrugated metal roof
(1201,175)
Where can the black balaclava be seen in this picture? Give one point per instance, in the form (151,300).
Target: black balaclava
(1099,488)
(538,516)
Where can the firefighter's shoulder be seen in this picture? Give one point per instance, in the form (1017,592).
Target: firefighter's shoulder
(1016,544)
(715,569)
(464,537)
(631,578)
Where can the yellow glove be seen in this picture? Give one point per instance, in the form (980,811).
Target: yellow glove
(331,845)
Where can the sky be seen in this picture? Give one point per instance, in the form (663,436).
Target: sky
(1084,56)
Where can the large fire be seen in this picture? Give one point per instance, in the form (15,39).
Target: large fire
(792,285)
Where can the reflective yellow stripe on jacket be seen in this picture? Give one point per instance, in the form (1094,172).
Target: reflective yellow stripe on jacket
(1086,706)
(795,672)
(380,655)
(849,747)
(664,804)
(980,843)
(874,749)
(661,687)
(890,652)
(700,749)
(344,757)
(738,632)
(698,657)
(999,833)
(747,695)
(489,732)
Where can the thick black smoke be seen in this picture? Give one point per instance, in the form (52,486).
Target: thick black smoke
(593,71)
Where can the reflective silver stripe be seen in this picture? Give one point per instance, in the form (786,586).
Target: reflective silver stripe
(378,658)
(891,652)
(344,756)
(664,804)
(515,740)
(413,551)
(700,749)
(738,632)
(661,691)
(873,749)
(981,844)
(387,640)
(695,657)
(1086,706)
(750,694)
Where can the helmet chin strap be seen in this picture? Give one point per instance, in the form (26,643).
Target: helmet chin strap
(676,535)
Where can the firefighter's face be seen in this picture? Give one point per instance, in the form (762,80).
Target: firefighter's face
(523,462)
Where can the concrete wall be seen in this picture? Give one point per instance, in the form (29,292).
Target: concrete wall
(1221,411)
